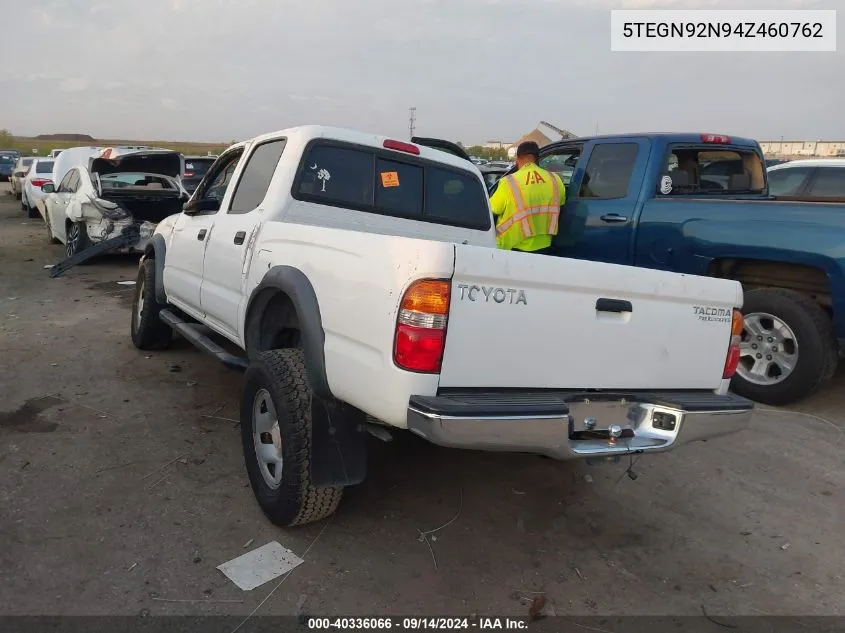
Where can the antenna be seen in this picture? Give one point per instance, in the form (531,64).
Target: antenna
(412,119)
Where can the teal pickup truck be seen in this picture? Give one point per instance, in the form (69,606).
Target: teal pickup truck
(699,204)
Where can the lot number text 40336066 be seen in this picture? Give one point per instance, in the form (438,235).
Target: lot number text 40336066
(723,30)
(416,623)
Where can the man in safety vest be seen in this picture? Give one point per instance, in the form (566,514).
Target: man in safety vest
(527,204)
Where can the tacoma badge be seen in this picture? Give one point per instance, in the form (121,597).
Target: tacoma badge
(719,315)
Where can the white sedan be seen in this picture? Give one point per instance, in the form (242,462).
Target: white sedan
(40,173)
(19,173)
(813,179)
(113,194)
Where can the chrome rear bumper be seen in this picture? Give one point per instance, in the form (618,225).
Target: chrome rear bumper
(570,425)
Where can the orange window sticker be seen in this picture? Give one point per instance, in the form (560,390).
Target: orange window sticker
(390,179)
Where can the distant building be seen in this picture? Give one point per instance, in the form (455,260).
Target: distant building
(496,144)
(803,148)
(534,135)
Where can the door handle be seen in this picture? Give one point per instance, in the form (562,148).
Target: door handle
(240,236)
(613,217)
(201,235)
(613,305)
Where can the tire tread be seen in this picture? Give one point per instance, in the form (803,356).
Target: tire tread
(152,333)
(300,502)
(796,386)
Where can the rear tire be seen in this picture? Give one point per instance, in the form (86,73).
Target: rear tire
(32,212)
(806,343)
(77,239)
(148,330)
(276,437)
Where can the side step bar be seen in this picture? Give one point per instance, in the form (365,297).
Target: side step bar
(194,333)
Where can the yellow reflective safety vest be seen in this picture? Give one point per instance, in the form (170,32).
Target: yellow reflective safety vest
(527,208)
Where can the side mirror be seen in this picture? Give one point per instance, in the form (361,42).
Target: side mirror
(48,187)
(201,206)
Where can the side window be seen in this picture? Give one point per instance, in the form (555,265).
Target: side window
(399,187)
(73,185)
(788,181)
(562,162)
(829,183)
(64,185)
(256,176)
(216,181)
(609,170)
(456,198)
(338,175)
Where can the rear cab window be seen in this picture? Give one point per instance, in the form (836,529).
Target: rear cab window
(390,183)
(707,170)
(44,167)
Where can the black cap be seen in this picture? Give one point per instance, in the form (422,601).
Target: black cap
(528,148)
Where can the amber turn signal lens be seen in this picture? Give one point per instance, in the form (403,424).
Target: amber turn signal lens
(430,296)
(737,323)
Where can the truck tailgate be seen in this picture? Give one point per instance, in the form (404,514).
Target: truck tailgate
(532,321)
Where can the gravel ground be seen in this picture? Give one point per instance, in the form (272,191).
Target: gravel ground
(122,487)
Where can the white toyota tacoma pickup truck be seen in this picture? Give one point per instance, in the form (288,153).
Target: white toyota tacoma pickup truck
(357,282)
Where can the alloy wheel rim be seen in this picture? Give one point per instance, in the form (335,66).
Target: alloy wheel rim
(73,239)
(768,350)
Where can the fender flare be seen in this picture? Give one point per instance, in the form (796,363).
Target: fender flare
(158,248)
(295,284)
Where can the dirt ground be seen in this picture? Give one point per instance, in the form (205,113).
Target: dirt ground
(122,488)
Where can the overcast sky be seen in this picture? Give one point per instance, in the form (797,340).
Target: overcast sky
(217,70)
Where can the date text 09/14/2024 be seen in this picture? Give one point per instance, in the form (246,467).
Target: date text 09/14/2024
(415,623)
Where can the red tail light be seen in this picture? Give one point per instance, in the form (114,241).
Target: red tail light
(718,139)
(40,182)
(421,326)
(188,174)
(732,360)
(401,146)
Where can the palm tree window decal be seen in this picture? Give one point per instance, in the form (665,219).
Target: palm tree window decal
(324,176)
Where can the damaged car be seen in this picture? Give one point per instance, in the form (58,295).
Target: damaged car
(115,201)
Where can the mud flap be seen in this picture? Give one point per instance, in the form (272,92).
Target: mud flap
(338,444)
(127,238)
